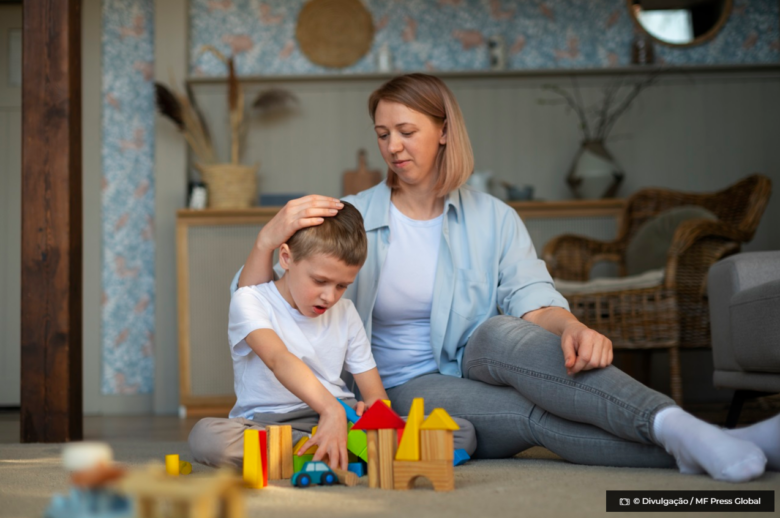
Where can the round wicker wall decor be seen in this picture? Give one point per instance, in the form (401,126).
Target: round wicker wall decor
(334,33)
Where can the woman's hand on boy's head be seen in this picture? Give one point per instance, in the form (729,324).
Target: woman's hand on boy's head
(295,215)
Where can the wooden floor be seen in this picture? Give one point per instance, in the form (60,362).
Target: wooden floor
(148,428)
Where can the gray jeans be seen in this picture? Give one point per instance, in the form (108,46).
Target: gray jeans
(516,393)
(220,442)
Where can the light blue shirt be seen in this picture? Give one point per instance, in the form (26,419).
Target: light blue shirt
(486,261)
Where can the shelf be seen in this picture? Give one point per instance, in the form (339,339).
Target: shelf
(772,68)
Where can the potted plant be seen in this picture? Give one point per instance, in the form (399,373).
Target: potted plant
(230,184)
(594,173)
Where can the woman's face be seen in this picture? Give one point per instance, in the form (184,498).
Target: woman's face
(409,142)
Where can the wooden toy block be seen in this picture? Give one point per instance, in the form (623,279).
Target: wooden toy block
(172,465)
(377,417)
(387,402)
(409,449)
(352,416)
(387,447)
(439,472)
(286,451)
(185,468)
(298,462)
(347,478)
(298,445)
(263,442)
(200,496)
(436,445)
(253,473)
(356,443)
(358,468)
(439,419)
(460,457)
(274,452)
(373,458)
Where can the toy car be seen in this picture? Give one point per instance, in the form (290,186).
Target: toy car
(314,472)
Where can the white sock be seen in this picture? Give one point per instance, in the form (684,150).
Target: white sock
(765,435)
(698,447)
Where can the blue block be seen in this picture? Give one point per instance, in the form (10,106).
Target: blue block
(359,469)
(460,457)
(352,416)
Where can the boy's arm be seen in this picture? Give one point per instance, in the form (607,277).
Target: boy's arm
(370,385)
(331,437)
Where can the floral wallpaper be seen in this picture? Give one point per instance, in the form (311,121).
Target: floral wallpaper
(452,35)
(128,197)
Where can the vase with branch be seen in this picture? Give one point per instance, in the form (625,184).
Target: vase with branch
(595,173)
(230,184)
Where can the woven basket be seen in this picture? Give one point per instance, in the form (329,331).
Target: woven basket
(231,186)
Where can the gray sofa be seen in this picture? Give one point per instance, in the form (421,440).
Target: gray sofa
(744,293)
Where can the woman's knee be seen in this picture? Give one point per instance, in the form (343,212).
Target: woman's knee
(503,337)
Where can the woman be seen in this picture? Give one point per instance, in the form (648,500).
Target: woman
(442,259)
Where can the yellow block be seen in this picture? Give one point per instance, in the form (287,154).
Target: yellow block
(387,402)
(439,420)
(409,449)
(299,445)
(185,468)
(253,471)
(274,452)
(172,465)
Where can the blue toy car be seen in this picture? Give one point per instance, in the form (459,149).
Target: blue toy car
(314,472)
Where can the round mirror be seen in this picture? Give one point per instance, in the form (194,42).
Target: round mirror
(680,23)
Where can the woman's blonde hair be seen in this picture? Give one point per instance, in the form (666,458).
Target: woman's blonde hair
(430,96)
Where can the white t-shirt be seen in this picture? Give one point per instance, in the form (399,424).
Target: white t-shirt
(401,325)
(327,344)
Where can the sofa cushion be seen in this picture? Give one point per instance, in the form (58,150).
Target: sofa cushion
(648,279)
(755,327)
(648,248)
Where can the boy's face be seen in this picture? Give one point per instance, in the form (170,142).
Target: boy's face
(315,283)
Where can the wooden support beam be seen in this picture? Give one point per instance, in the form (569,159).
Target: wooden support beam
(51,335)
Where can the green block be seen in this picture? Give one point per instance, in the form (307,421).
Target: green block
(298,462)
(358,444)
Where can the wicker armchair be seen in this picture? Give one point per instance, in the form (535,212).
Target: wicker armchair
(674,314)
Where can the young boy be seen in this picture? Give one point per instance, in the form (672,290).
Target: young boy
(290,340)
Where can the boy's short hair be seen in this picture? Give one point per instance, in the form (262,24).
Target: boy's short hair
(342,236)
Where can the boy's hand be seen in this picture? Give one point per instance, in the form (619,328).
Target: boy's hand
(331,438)
(360,408)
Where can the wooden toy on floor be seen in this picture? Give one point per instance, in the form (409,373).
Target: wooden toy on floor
(436,453)
(380,424)
(255,459)
(92,473)
(425,448)
(280,452)
(198,496)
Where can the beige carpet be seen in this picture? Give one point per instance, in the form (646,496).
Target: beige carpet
(536,483)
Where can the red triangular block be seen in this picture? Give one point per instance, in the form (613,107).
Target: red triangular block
(379,417)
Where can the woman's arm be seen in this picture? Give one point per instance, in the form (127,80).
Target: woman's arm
(583,348)
(295,215)
(331,436)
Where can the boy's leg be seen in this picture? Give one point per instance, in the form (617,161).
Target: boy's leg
(220,442)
